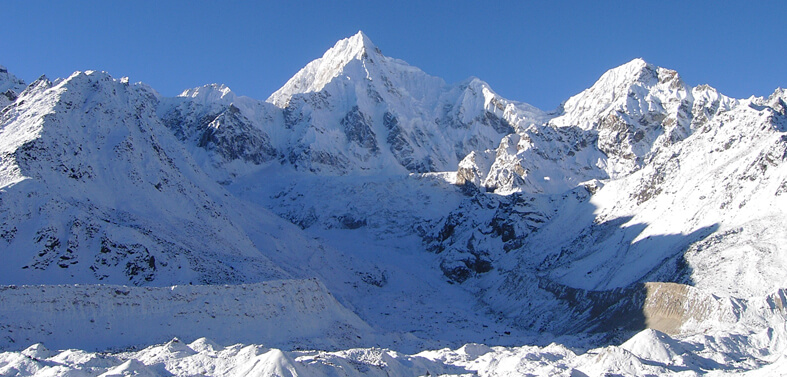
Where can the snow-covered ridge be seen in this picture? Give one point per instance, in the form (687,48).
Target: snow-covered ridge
(612,129)
(209,93)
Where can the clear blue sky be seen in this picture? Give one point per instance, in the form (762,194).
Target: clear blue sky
(540,52)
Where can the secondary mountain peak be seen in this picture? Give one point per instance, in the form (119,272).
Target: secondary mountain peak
(636,80)
(636,88)
(10,87)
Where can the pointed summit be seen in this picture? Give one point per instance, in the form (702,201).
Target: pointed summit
(635,72)
(320,72)
(359,46)
(360,42)
(614,84)
(630,70)
(633,83)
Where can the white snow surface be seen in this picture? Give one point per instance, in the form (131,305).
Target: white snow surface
(647,353)
(372,211)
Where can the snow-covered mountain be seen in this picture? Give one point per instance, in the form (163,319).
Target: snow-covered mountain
(353,110)
(95,189)
(606,132)
(430,215)
(638,179)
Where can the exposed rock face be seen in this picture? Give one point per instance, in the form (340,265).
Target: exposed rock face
(482,229)
(358,130)
(668,306)
(231,129)
(232,136)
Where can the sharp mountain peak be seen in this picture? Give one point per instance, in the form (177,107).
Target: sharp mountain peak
(319,72)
